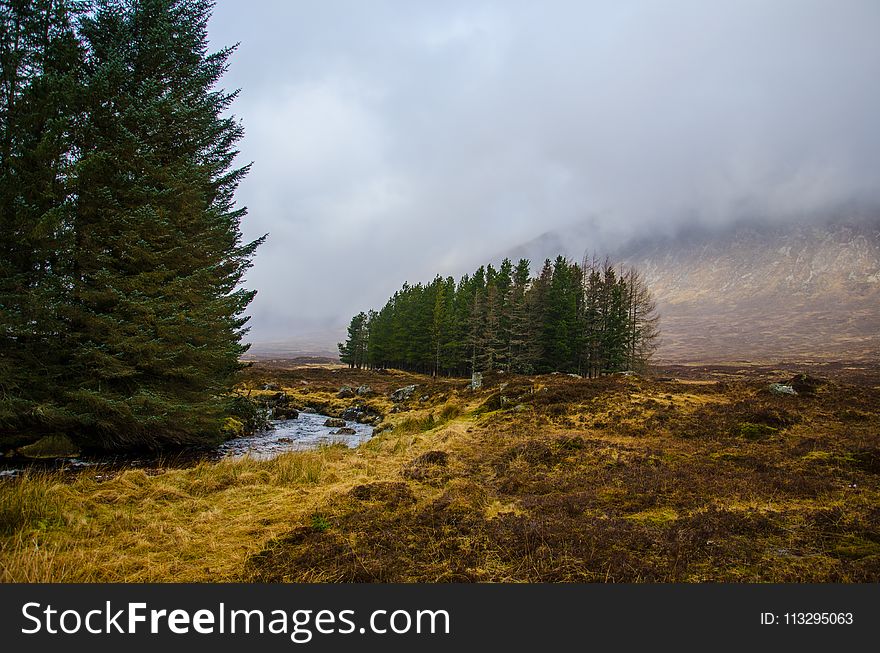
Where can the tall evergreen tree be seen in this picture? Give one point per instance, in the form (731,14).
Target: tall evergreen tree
(354,350)
(40,89)
(157,317)
(519,356)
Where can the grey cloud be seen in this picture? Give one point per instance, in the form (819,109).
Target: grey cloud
(393,140)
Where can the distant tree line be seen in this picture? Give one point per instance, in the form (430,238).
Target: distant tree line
(121,315)
(590,319)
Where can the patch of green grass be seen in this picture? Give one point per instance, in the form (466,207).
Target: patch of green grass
(751,431)
(320,522)
(654,516)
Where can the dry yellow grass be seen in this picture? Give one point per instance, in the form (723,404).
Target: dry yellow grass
(572,480)
(185,525)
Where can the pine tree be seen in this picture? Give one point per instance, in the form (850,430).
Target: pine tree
(476,318)
(592,317)
(354,350)
(519,352)
(442,325)
(40,88)
(493,347)
(157,317)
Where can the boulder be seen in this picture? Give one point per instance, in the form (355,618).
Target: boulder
(404,393)
(781,389)
(345,430)
(269,386)
(352,413)
(345,392)
(284,440)
(365,391)
(334,422)
(362,414)
(285,412)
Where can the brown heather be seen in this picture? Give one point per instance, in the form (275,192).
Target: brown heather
(708,477)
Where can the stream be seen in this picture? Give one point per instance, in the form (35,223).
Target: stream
(305,432)
(300,434)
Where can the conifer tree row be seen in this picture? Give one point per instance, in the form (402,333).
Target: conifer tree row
(590,318)
(121,255)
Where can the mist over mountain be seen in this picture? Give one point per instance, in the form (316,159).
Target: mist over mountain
(753,290)
(393,141)
(748,291)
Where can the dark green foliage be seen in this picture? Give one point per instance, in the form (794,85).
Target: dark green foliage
(40,87)
(588,319)
(354,350)
(253,415)
(122,315)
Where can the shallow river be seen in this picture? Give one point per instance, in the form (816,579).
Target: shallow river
(305,432)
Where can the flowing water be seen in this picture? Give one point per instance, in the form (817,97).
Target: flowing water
(305,432)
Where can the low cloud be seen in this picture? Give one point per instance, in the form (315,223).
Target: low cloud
(394,140)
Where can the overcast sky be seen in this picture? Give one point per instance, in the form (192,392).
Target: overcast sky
(395,140)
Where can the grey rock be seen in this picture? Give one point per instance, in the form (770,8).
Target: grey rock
(404,393)
(365,391)
(345,430)
(269,386)
(476,381)
(285,412)
(345,392)
(781,389)
(352,413)
(334,422)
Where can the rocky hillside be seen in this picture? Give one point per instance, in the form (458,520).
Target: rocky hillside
(760,292)
(757,292)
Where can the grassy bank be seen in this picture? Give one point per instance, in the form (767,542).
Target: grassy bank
(529,479)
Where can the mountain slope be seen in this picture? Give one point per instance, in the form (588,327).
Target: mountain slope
(757,292)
